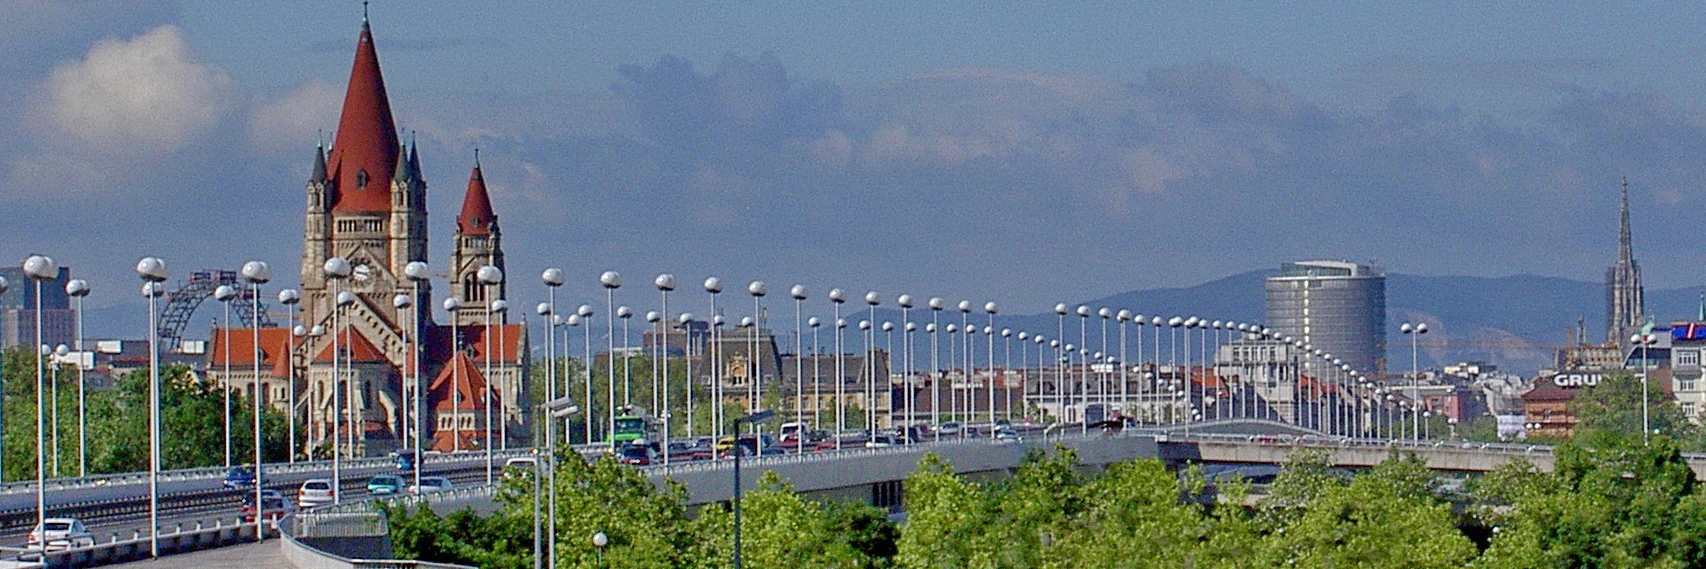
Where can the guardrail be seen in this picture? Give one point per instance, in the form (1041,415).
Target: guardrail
(304,556)
(135,547)
(268,469)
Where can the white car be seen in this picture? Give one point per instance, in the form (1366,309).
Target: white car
(314,492)
(431,484)
(60,534)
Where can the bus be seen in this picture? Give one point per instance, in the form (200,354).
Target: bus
(635,426)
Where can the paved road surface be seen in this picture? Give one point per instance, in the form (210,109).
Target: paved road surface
(264,555)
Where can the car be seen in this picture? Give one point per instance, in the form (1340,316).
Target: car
(384,484)
(431,485)
(59,534)
(1007,434)
(272,508)
(949,429)
(239,477)
(405,460)
(882,441)
(314,492)
(249,497)
(636,455)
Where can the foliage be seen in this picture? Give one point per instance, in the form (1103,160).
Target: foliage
(1613,409)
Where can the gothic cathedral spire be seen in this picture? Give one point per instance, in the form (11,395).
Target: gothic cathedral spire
(1625,307)
(478,243)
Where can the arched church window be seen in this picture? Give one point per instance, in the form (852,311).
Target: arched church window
(361,179)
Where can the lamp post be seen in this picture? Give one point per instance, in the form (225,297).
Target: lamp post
(1414,332)
(686,319)
(625,314)
(1645,341)
(599,540)
(872,299)
(714,286)
(489,276)
(799,294)
(837,297)
(451,306)
(610,280)
(908,398)
(555,409)
(888,342)
(57,356)
(756,417)
(40,269)
(865,333)
(755,363)
(553,279)
(417,272)
(936,375)
(817,373)
(989,309)
(289,298)
(585,313)
(336,269)
(224,294)
(77,289)
(256,273)
(153,271)
(968,363)
(665,283)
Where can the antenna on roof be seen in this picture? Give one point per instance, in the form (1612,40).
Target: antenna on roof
(476,156)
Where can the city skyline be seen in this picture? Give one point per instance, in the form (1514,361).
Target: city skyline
(650,145)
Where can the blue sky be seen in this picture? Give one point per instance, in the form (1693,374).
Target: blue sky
(1019,151)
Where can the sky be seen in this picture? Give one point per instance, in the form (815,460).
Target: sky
(1023,152)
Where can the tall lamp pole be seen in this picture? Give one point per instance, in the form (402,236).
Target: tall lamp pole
(40,269)
(610,280)
(256,273)
(289,298)
(757,417)
(224,294)
(1414,331)
(336,270)
(488,276)
(417,272)
(153,272)
(665,283)
(1645,341)
(77,289)
(799,294)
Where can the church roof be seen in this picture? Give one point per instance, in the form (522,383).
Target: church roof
(356,345)
(274,343)
(504,340)
(458,386)
(365,150)
(477,217)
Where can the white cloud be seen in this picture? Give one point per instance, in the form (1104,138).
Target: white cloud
(137,98)
(290,122)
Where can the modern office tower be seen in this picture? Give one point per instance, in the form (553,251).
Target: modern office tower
(18,310)
(1338,307)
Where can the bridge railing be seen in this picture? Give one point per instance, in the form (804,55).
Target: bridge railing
(269,469)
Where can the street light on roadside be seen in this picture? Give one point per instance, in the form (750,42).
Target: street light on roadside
(224,294)
(153,271)
(77,289)
(417,272)
(336,269)
(754,418)
(599,540)
(40,269)
(1414,331)
(610,280)
(665,282)
(556,409)
(289,298)
(1645,341)
(256,273)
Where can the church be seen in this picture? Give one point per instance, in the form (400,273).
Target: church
(366,203)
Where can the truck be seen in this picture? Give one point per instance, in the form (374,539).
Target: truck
(635,426)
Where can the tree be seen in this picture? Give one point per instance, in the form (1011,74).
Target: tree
(1613,408)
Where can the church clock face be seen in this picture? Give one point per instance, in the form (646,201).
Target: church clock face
(362,272)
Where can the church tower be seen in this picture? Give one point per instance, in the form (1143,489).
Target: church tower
(479,242)
(1625,307)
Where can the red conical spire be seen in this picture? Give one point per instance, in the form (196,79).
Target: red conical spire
(476,217)
(364,154)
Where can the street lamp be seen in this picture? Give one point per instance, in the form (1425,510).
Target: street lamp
(224,294)
(755,363)
(817,373)
(908,399)
(666,282)
(714,286)
(256,273)
(553,279)
(153,271)
(417,272)
(1414,331)
(1645,341)
(585,313)
(610,280)
(555,409)
(289,298)
(336,269)
(40,269)
(489,276)
(600,540)
(936,375)
(754,418)
(837,297)
(451,306)
(989,309)
(799,294)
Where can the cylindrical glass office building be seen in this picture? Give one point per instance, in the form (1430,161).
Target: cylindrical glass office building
(1336,306)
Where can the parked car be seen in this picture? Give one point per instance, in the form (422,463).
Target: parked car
(384,484)
(272,508)
(431,484)
(58,534)
(314,492)
(239,477)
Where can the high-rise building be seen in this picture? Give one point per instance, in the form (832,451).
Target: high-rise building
(1338,307)
(18,310)
(1625,307)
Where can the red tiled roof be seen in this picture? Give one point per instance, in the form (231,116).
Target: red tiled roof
(274,343)
(356,346)
(366,138)
(444,440)
(477,217)
(461,376)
